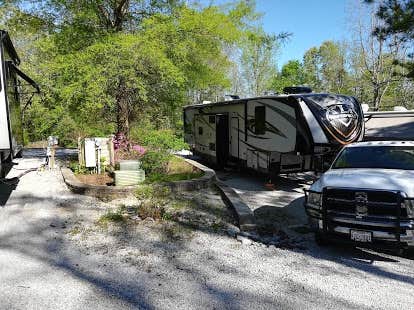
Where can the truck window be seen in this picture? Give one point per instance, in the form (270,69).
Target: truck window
(383,157)
(260,120)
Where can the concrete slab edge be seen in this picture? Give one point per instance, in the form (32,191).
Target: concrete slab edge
(243,213)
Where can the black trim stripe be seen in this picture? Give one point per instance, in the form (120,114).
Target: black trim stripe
(288,117)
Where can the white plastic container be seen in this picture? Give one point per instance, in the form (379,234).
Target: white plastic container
(129,177)
(128,165)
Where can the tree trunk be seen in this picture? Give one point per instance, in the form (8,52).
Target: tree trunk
(123,109)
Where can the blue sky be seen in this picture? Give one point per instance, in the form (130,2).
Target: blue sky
(310,21)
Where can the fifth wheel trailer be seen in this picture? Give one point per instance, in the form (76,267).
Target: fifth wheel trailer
(274,134)
(11,132)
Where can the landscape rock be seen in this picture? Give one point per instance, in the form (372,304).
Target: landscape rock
(233,231)
(244,240)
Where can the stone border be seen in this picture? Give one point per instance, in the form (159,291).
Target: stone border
(244,214)
(111,192)
(99,191)
(204,181)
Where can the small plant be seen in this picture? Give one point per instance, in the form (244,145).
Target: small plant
(75,231)
(152,192)
(178,204)
(111,216)
(167,216)
(149,209)
(77,168)
(145,192)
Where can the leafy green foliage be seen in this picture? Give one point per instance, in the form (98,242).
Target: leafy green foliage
(106,65)
(152,191)
(258,60)
(292,74)
(77,168)
(160,139)
(155,162)
(398,22)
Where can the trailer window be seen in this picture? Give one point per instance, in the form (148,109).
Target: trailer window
(260,120)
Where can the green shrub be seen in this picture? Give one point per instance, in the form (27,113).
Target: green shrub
(161,139)
(77,169)
(155,162)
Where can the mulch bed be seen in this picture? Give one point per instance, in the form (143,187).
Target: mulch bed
(95,179)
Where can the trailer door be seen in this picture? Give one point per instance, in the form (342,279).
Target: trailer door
(235,137)
(222,139)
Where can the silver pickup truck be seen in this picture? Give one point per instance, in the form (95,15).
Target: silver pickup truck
(366,198)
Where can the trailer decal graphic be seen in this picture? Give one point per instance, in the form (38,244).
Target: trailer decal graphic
(268,127)
(288,117)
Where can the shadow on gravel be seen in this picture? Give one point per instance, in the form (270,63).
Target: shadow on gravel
(287,210)
(293,214)
(135,283)
(145,285)
(6,188)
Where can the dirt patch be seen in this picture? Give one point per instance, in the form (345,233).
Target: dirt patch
(180,218)
(95,179)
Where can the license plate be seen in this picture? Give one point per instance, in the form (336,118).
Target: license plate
(361,236)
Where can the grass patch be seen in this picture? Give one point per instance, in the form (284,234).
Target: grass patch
(160,177)
(162,168)
(178,204)
(150,209)
(74,231)
(177,165)
(147,191)
(111,216)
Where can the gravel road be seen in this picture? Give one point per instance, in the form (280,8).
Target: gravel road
(46,263)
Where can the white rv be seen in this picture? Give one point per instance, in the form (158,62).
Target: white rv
(274,134)
(12,80)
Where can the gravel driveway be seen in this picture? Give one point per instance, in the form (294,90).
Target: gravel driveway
(47,264)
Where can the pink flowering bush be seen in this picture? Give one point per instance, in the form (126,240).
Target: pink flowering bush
(125,149)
